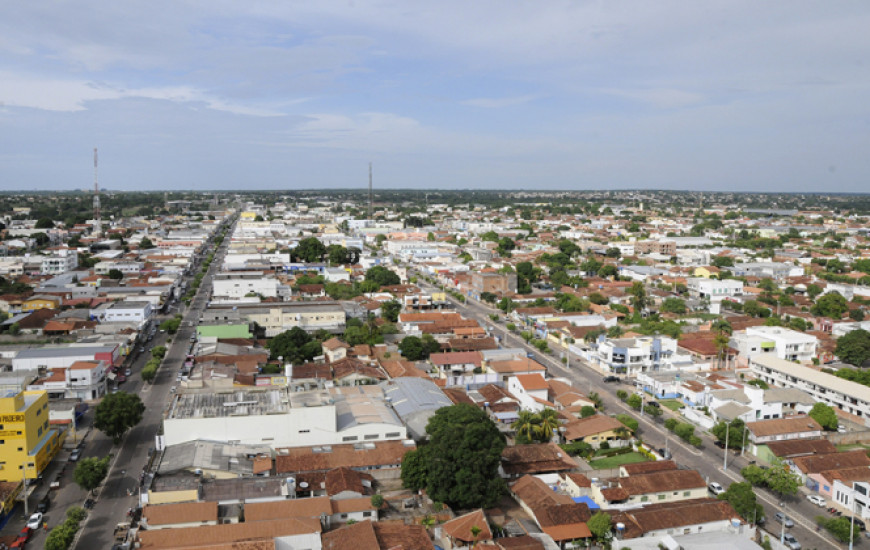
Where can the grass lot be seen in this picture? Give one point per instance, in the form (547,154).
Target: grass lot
(852,447)
(672,404)
(617,461)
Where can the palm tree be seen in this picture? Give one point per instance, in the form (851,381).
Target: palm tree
(525,424)
(621,432)
(720,340)
(596,400)
(548,423)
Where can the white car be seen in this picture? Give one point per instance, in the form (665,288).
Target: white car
(35,521)
(716,489)
(817,500)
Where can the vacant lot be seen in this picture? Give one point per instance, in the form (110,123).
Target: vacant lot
(617,461)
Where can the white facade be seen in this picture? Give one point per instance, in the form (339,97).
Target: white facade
(530,398)
(785,343)
(635,355)
(127,268)
(836,392)
(242,284)
(60,262)
(714,289)
(128,312)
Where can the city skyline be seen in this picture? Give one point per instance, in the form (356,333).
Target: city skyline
(724,96)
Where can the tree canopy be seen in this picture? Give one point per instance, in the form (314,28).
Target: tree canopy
(382,276)
(824,415)
(741,497)
(416,349)
(459,465)
(854,347)
(295,346)
(90,472)
(309,250)
(831,305)
(117,413)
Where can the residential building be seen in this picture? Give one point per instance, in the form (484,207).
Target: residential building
(85,380)
(532,391)
(60,261)
(632,356)
(836,392)
(494,283)
(785,343)
(751,403)
(685,517)
(276,318)
(595,430)
(28,442)
(780,429)
(653,487)
(714,289)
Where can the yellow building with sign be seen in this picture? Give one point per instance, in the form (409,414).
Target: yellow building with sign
(27,443)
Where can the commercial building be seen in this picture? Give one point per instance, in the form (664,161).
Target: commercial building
(276,318)
(61,357)
(27,443)
(785,343)
(494,283)
(281,419)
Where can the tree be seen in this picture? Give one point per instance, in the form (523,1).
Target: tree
(90,472)
(781,480)
(629,422)
(390,310)
(460,462)
(337,254)
(41,239)
(732,431)
(117,413)
(653,411)
(831,305)
(587,410)
(634,401)
(116,274)
(309,250)
(854,347)
(377,501)
(524,426)
(44,223)
(638,293)
(411,347)
(414,470)
(145,243)
(824,415)
(293,346)
(754,474)
(382,276)
(674,305)
(14,329)
(505,246)
(548,423)
(741,497)
(841,528)
(599,525)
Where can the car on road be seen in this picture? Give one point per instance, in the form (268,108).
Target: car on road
(715,488)
(43,505)
(817,500)
(128,372)
(783,519)
(35,521)
(666,454)
(791,542)
(611,379)
(654,404)
(76,454)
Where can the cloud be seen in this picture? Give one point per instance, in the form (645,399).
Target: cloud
(499,102)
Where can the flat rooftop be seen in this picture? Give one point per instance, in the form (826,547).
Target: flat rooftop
(237,403)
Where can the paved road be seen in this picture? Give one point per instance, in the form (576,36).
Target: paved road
(133,454)
(708,460)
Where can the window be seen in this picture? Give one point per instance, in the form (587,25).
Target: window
(349,438)
(662,497)
(686,493)
(644,498)
(367,514)
(393,434)
(370,436)
(304,431)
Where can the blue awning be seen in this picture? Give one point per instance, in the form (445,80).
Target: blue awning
(588,502)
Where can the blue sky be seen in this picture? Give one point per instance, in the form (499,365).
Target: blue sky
(714,95)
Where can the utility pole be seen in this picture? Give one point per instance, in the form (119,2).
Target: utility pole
(24,488)
(725,458)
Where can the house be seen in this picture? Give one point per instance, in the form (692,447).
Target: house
(715,290)
(632,356)
(532,391)
(751,403)
(467,530)
(370,535)
(40,301)
(179,515)
(781,429)
(556,514)
(809,466)
(290,532)
(594,430)
(85,380)
(836,392)
(704,515)
(505,369)
(335,349)
(329,511)
(534,459)
(654,487)
(456,362)
(787,450)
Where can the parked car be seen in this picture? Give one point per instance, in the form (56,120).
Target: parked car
(666,454)
(76,454)
(817,500)
(784,519)
(43,505)
(611,379)
(128,372)
(716,489)
(860,524)
(35,521)
(791,542)
(654,404)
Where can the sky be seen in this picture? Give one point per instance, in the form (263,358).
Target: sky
(719,95)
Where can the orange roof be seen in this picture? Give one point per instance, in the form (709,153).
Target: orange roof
(568,532)
(84,365)
(533,381)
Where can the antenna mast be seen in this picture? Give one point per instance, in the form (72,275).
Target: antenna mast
(370,190)
(98,225)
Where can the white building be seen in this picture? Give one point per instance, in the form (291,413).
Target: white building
(85,380)
(836,392)
(714,289)
(531,391)
(281,419)
(128,312)
(240,284)
(853,495)
(784,343)
(125,267)
(63,356)
(60,261)
(751,403)
(635,355)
